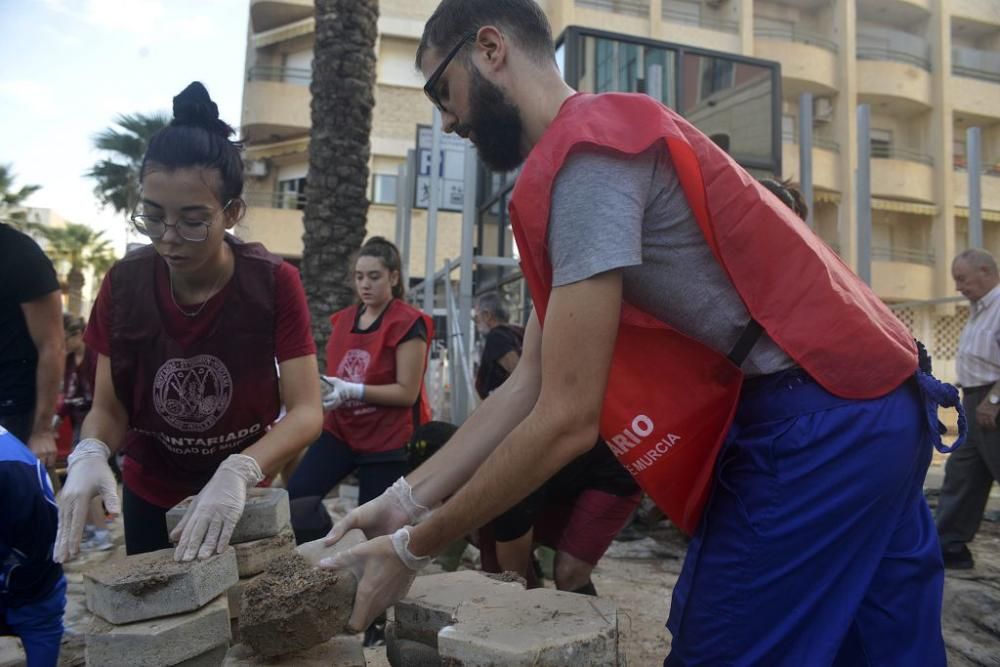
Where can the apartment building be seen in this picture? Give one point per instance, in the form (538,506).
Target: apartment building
(928,69)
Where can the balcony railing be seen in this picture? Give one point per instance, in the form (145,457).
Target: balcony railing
(287,200)
(895,153)
(790,34)
(976,64)
(878,43)
(988,169)
(690,14)
(629,7)
(906,255)
(792,137)
(297,75)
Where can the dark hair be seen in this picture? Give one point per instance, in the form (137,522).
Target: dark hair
(492,303)
(385,250)
(196,137)
(523,21)
(788,195)
(72,323)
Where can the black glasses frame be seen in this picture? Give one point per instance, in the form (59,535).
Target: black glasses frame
(141,226)
(430,88)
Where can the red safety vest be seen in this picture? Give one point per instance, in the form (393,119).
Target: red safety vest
(370,358)
(670,399)
(190,407)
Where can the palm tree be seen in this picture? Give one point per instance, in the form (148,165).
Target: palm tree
(12,201)
(339,146)
(117,176)
(76,247)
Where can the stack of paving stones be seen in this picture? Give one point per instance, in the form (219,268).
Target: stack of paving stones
(465,618)
(295,614)
(263,533)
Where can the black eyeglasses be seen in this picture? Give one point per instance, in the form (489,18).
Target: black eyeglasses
(155,226)
(430,88)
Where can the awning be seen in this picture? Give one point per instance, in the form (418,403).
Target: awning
(826,197)
(903,207)
(992,216)
(284,33)
(260,152)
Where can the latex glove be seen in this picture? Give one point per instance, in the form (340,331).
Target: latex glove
(395,508)
(384,568)
(209,522)
(336,392)
(87,475)
(43,446)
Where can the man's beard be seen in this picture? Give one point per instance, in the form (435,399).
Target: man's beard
(496,123)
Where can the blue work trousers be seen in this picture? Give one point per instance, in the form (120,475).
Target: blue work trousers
(39,626)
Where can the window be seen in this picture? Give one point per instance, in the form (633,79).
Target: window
(291,194)
(384,189)
(716,75)
(881,142)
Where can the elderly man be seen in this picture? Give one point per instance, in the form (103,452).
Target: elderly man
(970,471)
(501,345)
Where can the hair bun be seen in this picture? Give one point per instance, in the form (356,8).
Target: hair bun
(193,106)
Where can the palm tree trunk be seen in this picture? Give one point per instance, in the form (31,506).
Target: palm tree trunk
(339,146)
(74,289)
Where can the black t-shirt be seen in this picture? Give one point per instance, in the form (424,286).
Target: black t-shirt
(418,330)
(500,340)
(26,274)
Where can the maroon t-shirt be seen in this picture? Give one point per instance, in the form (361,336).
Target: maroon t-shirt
(196,389)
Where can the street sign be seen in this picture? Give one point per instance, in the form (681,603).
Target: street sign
(452,170)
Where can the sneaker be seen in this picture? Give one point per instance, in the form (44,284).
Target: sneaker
(957,557)
(99,541)
(375,633)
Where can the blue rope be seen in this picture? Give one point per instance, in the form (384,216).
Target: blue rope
(937,393)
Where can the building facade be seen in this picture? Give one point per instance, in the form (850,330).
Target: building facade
(928,69)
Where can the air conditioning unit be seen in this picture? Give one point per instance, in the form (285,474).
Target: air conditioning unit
(822,110)
(256,168)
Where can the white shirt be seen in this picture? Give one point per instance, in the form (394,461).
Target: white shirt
(978,360)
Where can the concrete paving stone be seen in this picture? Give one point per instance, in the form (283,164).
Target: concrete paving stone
(161,641)
(137,588)
(265,514)
(76,621)
(545,627)
(212,658)
(408,653)
(433,600)
(253,557)
(235,594)
(316,550)
(293,605)
(12,653)
(342,651)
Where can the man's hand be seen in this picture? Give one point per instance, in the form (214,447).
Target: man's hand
(209,522)
(43,446)
(986,414)
(382,577)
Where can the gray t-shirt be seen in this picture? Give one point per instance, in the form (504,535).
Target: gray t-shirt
(615,212)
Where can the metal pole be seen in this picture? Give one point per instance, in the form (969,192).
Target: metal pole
(452,355)
(805,152)
(465,305)
(409,189)
(654,82)
(974,161)
(432,214)
(400,179)
(864,179)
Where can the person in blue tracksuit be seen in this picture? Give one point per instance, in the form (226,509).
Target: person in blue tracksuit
(32,585)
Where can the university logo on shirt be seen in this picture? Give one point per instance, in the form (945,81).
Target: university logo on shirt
(192,394)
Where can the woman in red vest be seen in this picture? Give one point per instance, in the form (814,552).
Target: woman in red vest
(375,361)
(188,330)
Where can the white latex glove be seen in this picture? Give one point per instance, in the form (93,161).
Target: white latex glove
(384,568)
(336,392)
(87,475)
(395,508)
(209,522)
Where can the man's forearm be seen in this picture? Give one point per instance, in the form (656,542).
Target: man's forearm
(479,436)
(535,451)
(48,378)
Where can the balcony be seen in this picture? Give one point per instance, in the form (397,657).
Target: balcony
(983,11)
(825,160)
(806,57)
(276,104)
(902,274)
(627,7)
(976,85)
(899,173)
(700,26)
(893,66)
(274,219)
(271,14)
(989,185)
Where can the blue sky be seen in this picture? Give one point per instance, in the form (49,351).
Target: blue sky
(70,66)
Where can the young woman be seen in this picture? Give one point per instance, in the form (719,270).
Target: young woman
(375,360)
(188,330)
